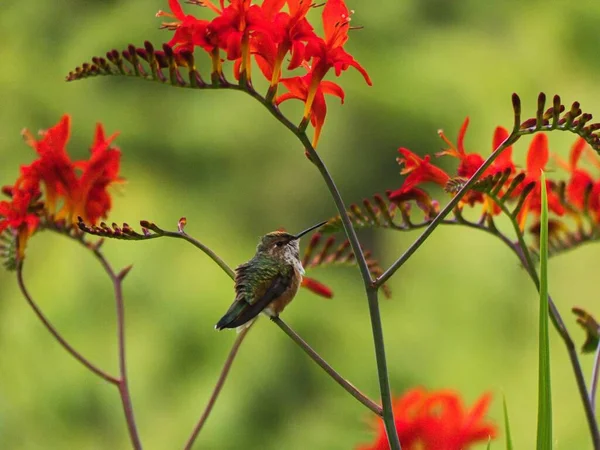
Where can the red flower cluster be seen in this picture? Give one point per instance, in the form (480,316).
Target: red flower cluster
(269,34)
(581,185)
(437,421)
(70,188)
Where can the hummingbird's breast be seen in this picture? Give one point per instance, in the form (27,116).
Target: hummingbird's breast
(279,304)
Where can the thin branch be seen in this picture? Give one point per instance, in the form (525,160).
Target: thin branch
(123,384)
(510,140)
(207,251)
(595,376)
(327,368)
(286,328)
(218,387)
(56,335)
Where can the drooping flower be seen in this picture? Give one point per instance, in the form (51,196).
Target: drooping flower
(437,420)
(316,287)
(537,158)
(298,89)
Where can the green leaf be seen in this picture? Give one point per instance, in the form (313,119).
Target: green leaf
(509,445)
(544,426)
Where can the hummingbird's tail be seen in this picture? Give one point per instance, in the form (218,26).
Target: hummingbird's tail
(231,319)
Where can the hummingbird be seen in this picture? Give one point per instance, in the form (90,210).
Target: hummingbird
(269,281)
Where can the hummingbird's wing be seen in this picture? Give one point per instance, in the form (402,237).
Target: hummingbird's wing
(255,287)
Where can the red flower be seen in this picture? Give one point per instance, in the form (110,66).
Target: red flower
(419,170)
(580,180)
(91,200)
(537,158)
(189,31)
(20,217)
(581,183)
(329,53)
(54,168)
(77,188)
(470,162)
(287,33)
(298,89)
(437,421)
(317,287)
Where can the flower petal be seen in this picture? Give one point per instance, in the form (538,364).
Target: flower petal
(537,156)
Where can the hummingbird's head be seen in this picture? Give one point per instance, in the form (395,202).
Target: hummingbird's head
(280,244)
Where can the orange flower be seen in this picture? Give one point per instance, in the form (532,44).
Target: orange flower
(537,158)
(298,88)
(437,421)
(419,170)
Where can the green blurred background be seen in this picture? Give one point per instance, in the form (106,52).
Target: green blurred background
(463,314)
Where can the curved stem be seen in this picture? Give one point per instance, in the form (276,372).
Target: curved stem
(445,211)
(123,384)
(218,387)
(327,368)
(207,251)
(56,335)
(370,286)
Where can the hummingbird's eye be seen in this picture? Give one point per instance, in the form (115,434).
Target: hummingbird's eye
(280,244)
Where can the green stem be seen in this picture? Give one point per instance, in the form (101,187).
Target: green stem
(444,212)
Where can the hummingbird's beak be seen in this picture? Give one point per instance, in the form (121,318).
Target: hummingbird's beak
(299,235)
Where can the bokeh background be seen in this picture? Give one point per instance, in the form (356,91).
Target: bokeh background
(463,315)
